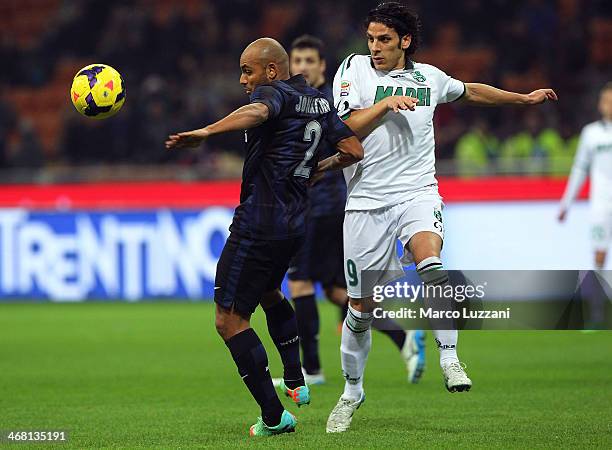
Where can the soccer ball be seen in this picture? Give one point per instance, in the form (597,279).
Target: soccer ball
(97,91)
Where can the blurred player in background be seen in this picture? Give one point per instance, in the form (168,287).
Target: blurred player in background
(594,155)
(389,101)
(321,257)
(284,123)
(594,159)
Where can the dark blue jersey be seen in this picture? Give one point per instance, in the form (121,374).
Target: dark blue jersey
(328,196)
(280,159)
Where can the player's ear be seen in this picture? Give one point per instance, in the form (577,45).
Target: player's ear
(323,65)
(406,41)
(271,71)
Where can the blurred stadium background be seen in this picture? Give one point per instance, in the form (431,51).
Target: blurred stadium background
(99,210)
(180,62)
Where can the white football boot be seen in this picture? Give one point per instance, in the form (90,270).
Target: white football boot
(455,378)
(341,416)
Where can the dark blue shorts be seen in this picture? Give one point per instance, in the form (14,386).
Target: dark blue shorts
(321,257)
(248,268)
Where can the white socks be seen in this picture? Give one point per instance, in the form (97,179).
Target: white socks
(447,344)
(432,273)
(354,348)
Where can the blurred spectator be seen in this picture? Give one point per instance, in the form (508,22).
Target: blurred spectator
(533,149)
(155,129)
(10,61)
(27,152)
(84,141)
(476,149)
(518,148)
(7,124)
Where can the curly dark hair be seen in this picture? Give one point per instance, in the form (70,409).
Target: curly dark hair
(401,18)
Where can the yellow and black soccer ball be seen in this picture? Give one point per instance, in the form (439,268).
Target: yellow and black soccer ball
(98,91)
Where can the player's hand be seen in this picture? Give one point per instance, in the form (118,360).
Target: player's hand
(562,215)
(540,96)
(400,102)
(318,176)
(187,139)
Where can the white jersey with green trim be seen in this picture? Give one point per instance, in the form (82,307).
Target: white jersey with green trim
(594,157)
(399,154)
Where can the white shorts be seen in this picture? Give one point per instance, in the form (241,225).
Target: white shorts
(601,228)
(370,239)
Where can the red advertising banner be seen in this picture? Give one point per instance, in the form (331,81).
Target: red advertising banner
(146,195)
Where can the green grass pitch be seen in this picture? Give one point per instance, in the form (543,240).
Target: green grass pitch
(156,375)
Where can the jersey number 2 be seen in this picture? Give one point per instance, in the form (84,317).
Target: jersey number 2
(312,133)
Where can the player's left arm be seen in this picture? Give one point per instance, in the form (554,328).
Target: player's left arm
(245,117)
(578,175)
(350,151)
(485,95)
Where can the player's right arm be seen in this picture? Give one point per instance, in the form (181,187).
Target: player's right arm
(350,106)
(266,103)
(579,172)
(245,117)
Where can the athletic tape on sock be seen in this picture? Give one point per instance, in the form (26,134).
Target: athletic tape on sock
(432,272)
(357,321)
